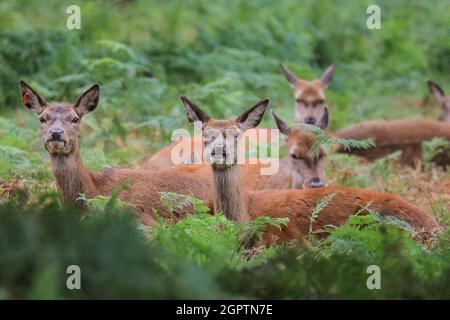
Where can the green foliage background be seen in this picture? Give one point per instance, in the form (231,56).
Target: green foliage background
(224,55)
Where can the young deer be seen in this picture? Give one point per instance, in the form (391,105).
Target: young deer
(402,135)
(242,205)
(59,127)
(310,105)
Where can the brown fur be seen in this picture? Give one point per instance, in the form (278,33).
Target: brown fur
(396,135)
(297,205)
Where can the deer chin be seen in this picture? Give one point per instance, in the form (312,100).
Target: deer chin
(57,147)
(220,162)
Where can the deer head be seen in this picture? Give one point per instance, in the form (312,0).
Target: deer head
(308,171)
(444,100)
(310,105)
(59,122)
(220,137)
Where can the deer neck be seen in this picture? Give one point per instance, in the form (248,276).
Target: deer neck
(72,177)
(229,197)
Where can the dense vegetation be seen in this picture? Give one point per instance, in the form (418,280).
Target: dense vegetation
(224,55)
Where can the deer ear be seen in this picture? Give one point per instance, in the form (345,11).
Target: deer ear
(292,78)
(252,117)
(323,123)
(327,75)
(33,101)
(88,101)
(193,112)
(436,90)
(281,125)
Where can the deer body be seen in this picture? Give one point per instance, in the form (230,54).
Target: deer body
(403,135)
(396,135)
(143,191)
(240,204)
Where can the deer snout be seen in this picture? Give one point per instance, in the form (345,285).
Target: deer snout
(316,183)
(56,134)
(310,120)
(219,150)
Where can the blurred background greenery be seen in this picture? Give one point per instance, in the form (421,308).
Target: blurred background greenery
(224,55)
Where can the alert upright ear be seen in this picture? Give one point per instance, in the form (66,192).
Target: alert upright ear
(193,112)
(88,101)
(327,75)
(281,125)
(33,101)
(436,90)
(252,117)
(323,123)
(292,78)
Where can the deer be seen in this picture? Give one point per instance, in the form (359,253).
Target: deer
(310,104)
(240,204)
(300,168)
(59,128)
(405,135)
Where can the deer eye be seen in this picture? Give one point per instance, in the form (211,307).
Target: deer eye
(42,120)
(75,120)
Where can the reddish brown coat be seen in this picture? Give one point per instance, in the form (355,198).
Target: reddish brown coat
(396,135)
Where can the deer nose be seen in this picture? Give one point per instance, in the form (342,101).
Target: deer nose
(219,149)
(316,183)
(56,133)
(310,120)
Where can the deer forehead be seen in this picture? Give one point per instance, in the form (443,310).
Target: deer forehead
(302,142)
(59,111)
(309,91)
(222,125)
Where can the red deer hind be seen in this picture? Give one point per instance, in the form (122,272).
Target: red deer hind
(237,203)
(59,128)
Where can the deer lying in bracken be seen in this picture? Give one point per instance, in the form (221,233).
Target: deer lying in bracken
(310,105)
(239,204)
(59,126)
(402,135)
(300,169)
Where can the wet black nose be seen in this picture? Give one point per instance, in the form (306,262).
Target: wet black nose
(56,133)
(310,120)
(219,150)
(316,183)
